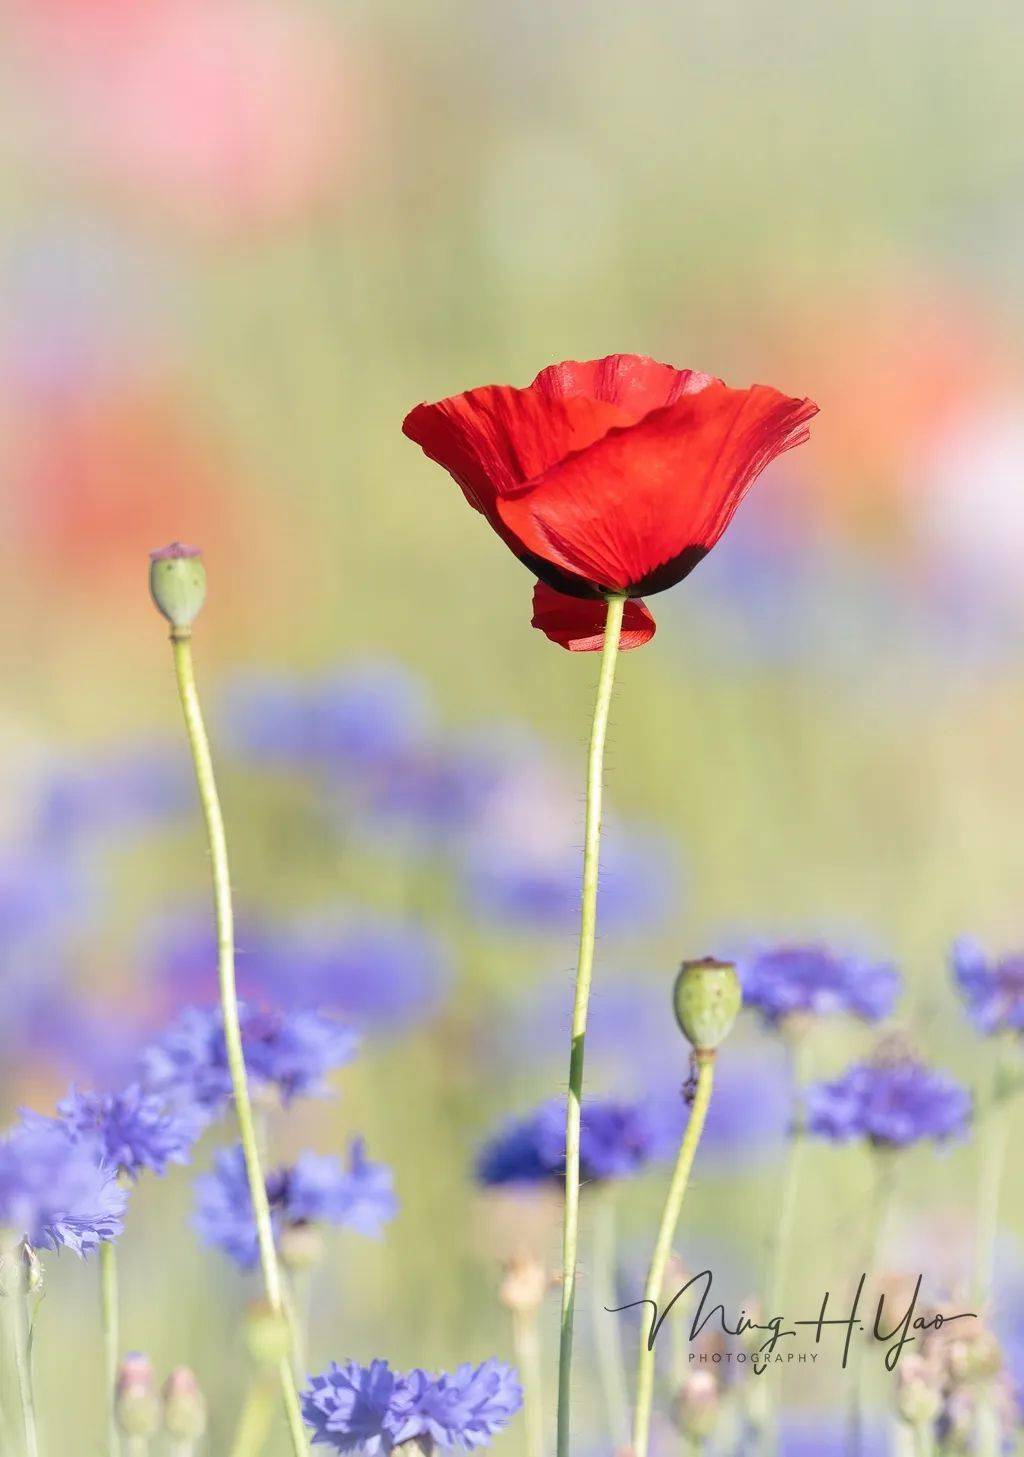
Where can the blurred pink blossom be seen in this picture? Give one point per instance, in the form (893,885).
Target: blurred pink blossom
(225,114)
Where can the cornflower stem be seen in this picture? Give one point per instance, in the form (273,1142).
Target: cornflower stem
(924,1440)
(584,969)
(254,1422)
(993,1146)
(136,1446)
(21,1336)
(663,1246)
(526,1339)
(181,643)
(881,1204)
(607,1341)
(109,1315)
(781,1243)
(298,1290)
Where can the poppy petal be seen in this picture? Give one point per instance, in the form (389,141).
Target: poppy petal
(577,623)
(640,507)
(492,440)
(635,383)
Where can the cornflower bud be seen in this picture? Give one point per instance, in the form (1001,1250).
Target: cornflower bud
(266,1335)
(301,1246)
(524,1285)
(695,1408)
(706,998)
(184,1406)
(136,1405)
(177,583)
(918,1398)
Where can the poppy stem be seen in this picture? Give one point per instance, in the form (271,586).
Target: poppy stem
(584,968)
(111,1338)
(200,746)
(663,1246)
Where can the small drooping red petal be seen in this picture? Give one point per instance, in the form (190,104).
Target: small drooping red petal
(577,623)
(492,440)
(637,509)
(636,384)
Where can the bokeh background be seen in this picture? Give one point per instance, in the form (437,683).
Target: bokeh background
(240,239)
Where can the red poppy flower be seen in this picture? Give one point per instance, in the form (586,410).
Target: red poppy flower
(613,477)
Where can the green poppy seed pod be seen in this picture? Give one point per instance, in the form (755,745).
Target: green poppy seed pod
(707,998)
(184,1406)
(177,583)
(136,1404)
(266,1335)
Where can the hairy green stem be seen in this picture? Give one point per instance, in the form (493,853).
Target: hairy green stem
(663,1246)
(210,800)
(607,1338)
(584,969)
(110,1317)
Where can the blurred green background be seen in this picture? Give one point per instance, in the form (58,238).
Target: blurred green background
(241,238)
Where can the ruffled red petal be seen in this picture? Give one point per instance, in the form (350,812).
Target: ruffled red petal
(636,384)
(638,508)
(577,623)
(492,440)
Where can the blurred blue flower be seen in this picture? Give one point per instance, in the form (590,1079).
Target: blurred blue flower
(41,897)
(532,885)
(111,793)
(313,1190)
(373,1410)
(359,717)
(616,1139)
(376,971)
(54,1192)
(291,1052)
(131,1131)
(993,990)
(782,981)
(433,793)
(890,1103)
(828,1437)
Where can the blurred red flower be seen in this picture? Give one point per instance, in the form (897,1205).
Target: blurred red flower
(614,476)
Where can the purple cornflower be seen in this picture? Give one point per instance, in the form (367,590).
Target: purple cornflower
(291,1052)
(313,1190)
(54,1192)
(993,990)
(113,792)
(616,1139)
(891,1103)
(132,1130)
(359,717)
(374,1410)
(375,971)
(814,980)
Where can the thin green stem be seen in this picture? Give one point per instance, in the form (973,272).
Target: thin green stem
(526,1338)
(876,1224)
(995,1129)
(663,1246)
(111,1339)
(22,1340)
(584,969)
(607,1337)
(207,784)
(924,1440)
(298,1291)
(254,1423)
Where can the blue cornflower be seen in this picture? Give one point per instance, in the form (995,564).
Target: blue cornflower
(784,981)
(993,990)
(113,792)
(531,883)
(374,1410)
(358,717)
(890,1103)
(41,897)
(313,1190)
(291,1052)
(132,1130)
(54,1192)
(616,1139)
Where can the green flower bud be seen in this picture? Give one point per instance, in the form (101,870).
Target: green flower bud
(266,1335)
(707,998)
(184,1406)
(695,1408)
(177,583)
(136,1404)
